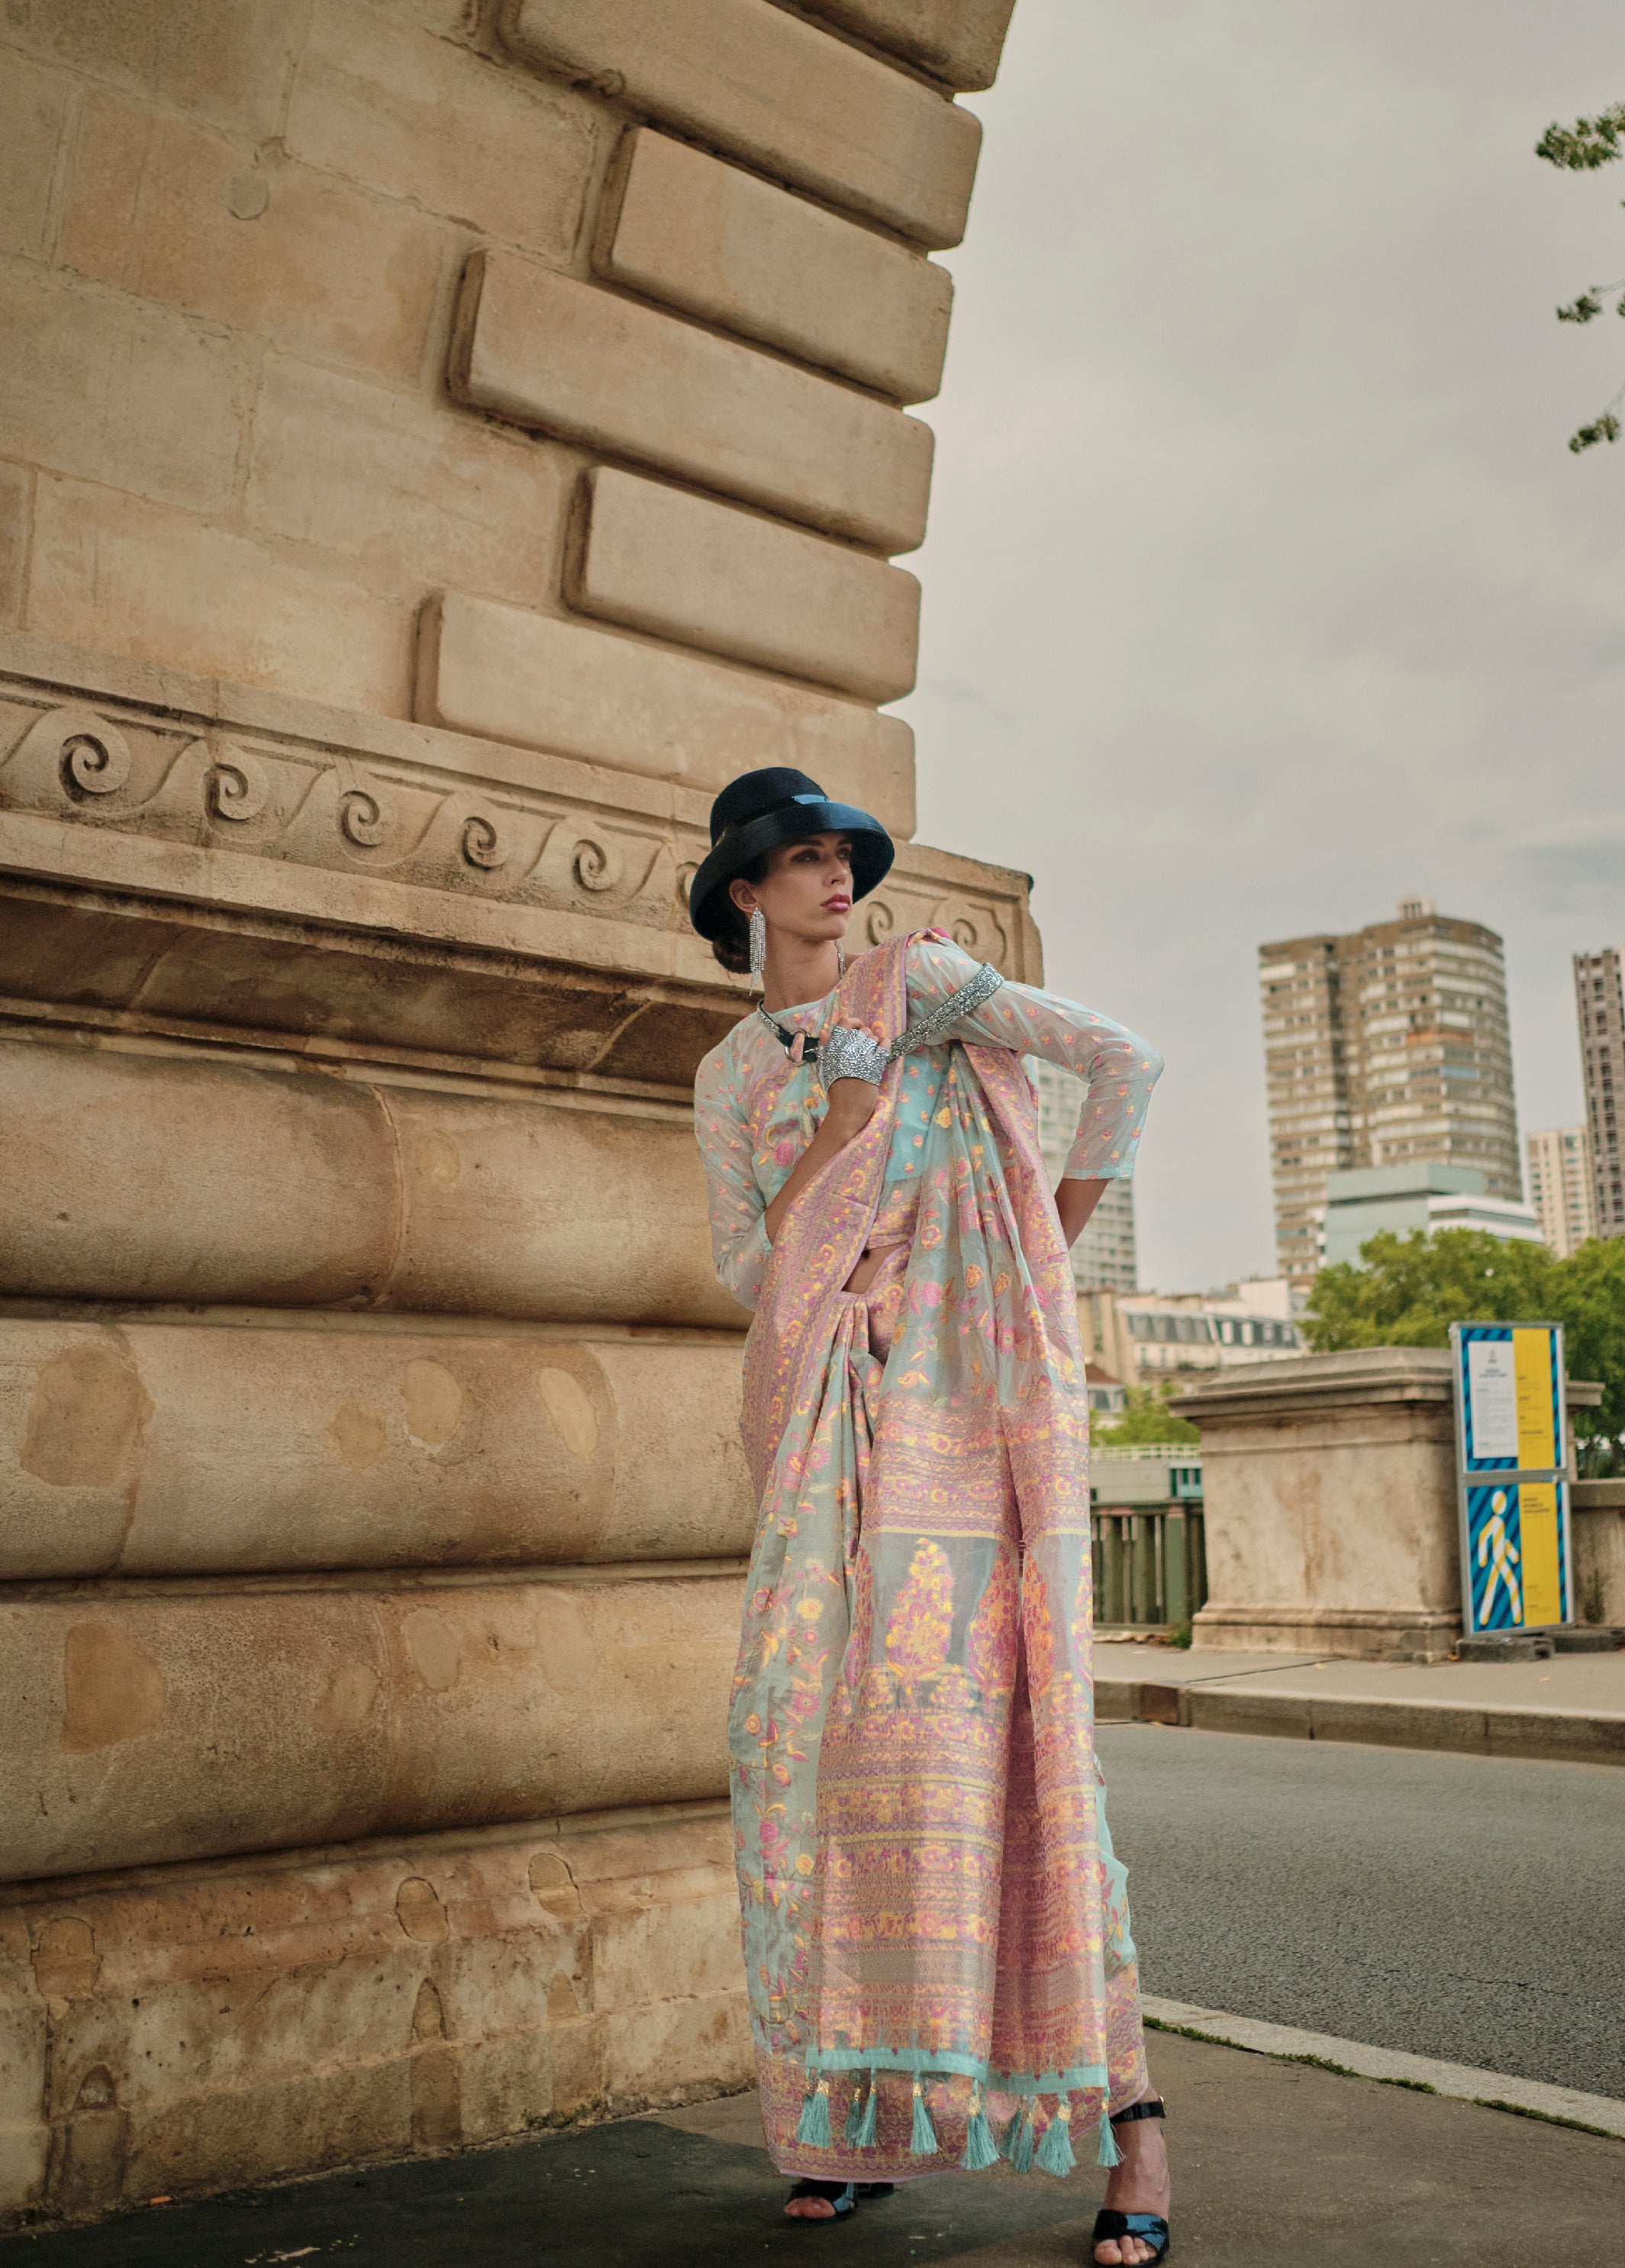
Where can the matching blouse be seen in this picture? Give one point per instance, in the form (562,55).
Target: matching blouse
(755,1110)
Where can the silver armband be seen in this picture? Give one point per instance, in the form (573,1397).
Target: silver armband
(850,1053)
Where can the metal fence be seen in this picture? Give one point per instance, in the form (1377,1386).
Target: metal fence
(1150,1565)
(1150,1568)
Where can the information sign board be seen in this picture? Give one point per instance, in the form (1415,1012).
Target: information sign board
(1512,1477)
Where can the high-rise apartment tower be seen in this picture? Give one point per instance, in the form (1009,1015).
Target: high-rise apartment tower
(1598,997)
(1561,1186)
(1104,1257)
(1387,1046)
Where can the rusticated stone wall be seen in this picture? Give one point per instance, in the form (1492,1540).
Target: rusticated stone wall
(439,446)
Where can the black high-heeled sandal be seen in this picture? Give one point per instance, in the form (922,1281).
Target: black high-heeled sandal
(1150,2228)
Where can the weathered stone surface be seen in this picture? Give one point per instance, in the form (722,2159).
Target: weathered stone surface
(388,104)
(1598,1533)
(140,1729)
(679,566)
(583,364)
(16,519)
(1330,1506)
(750,78)
(508,675)
(33,112)
(227,65)
(136,397)
(405,494)
(546,893)
(316,266)
(446,1990)
(957,41)
(138,579)
(738,251)
(191,1448)
(340,1193)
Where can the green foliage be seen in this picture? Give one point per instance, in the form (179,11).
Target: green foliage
(1408,1290)
(1146,1423)
(1586,145)
(1581,149)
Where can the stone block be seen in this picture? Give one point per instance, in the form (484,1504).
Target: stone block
(279,251)
(16,525)
(511,675)
(391,105)
(572,359)
(228,66)
(752,79)
(257,2019)
(679,566)
(135,397)
(412,492)
(342,1194)
(109,1155)
(33,112)
(193,1448)
(147,1729)
(737,251)
(958,41)
(126,577)
(1330,1512)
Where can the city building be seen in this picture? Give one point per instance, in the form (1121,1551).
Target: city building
(1105,1254)
(1406,1199)
(1152,1338)
(1385,1046)
(1561,1186)
(1601,1009)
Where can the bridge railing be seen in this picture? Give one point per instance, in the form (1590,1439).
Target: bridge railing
(1150,1569)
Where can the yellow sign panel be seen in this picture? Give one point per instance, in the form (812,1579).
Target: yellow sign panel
(1532,1355)
(1537,1519)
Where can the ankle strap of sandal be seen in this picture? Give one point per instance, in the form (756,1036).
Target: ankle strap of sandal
(1153,2107)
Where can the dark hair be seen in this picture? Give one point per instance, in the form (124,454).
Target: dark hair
(731,946)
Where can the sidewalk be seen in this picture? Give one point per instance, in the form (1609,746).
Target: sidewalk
(1568,1709)
(1276,2165)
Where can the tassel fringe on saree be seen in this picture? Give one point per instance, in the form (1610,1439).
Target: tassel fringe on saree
(936,1934)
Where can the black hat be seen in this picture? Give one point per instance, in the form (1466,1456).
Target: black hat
(759,810)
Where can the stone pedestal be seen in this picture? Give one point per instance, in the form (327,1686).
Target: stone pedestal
(1331,1518)
(1330,1506)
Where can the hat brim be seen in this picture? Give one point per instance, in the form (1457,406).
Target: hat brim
(873,853)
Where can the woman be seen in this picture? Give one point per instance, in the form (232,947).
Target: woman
(935,1931)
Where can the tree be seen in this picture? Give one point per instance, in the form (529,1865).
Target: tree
(1582,148)
(1146,1423)
(1408,1290)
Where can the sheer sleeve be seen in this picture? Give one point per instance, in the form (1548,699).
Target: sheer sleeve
(1117,1067)
(740,1246)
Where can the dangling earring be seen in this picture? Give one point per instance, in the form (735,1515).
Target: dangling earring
(758,948)
(839,960)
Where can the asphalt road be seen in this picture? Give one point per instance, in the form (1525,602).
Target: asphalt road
(1452,1906)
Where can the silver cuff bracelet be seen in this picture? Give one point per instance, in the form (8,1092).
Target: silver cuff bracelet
(850,1053)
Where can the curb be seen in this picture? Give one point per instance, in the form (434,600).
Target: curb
(1492,2090)
(1459,1728)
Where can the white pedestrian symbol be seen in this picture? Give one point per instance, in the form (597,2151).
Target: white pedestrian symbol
(1500,1555)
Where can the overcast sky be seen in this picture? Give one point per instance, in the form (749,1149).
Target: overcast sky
(1260,588)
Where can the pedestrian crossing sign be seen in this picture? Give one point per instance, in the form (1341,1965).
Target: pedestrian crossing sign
(1511,1458)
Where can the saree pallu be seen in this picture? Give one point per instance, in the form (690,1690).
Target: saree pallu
(936,1935)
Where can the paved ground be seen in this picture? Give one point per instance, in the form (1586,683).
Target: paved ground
(1277,2167)
(1591,1683)
(1463,1907)
(1569,1708)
